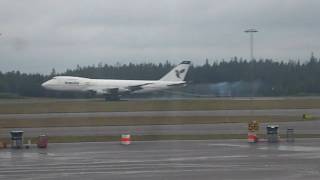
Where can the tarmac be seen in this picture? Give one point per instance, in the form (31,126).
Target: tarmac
(189,160)
(300,127)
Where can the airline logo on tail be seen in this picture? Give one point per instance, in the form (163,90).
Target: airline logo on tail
(179,72)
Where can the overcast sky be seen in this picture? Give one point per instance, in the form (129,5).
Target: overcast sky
(38,35)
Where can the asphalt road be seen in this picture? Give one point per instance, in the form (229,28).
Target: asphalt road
(189,160)
(268,112)
(300,127)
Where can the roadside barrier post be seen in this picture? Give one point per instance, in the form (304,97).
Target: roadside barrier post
(28,145)
(253,127)
(42,141)
(273,133)
(290,135)
(16,139)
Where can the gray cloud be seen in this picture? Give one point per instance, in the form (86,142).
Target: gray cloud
(39,35)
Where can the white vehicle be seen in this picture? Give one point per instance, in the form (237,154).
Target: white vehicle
(112,89)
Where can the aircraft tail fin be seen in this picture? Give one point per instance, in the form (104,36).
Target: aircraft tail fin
(178,73)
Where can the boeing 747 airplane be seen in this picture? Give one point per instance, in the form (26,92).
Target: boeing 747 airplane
(112,89)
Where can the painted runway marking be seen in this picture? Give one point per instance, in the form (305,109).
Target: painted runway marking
(292,148)
(230,145)
(181,159)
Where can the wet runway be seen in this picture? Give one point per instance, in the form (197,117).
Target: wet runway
(300,127)
(267,112)
(218,159)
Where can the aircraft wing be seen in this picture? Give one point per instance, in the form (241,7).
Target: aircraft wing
(117,90)
(136,87)
(104,91)
(177,84)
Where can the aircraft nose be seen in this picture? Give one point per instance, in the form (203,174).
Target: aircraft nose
(45,84)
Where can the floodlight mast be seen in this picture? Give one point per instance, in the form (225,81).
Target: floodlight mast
(251,31)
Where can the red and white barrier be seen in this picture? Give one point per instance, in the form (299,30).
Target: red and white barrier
(252,137)
(125,139)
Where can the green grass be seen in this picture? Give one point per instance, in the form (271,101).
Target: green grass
(47,106)
(10,96)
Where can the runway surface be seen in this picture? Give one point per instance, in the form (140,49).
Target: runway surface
(189,160)
(300,127)
(268,112)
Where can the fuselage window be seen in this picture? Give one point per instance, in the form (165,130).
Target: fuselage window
(71,82)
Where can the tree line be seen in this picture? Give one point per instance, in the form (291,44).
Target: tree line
(274,78)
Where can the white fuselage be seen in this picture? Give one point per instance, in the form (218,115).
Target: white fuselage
(116,87)
(105,86)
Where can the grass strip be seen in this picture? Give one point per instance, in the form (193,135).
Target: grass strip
(41,106)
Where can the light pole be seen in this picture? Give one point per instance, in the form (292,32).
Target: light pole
(251,31)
